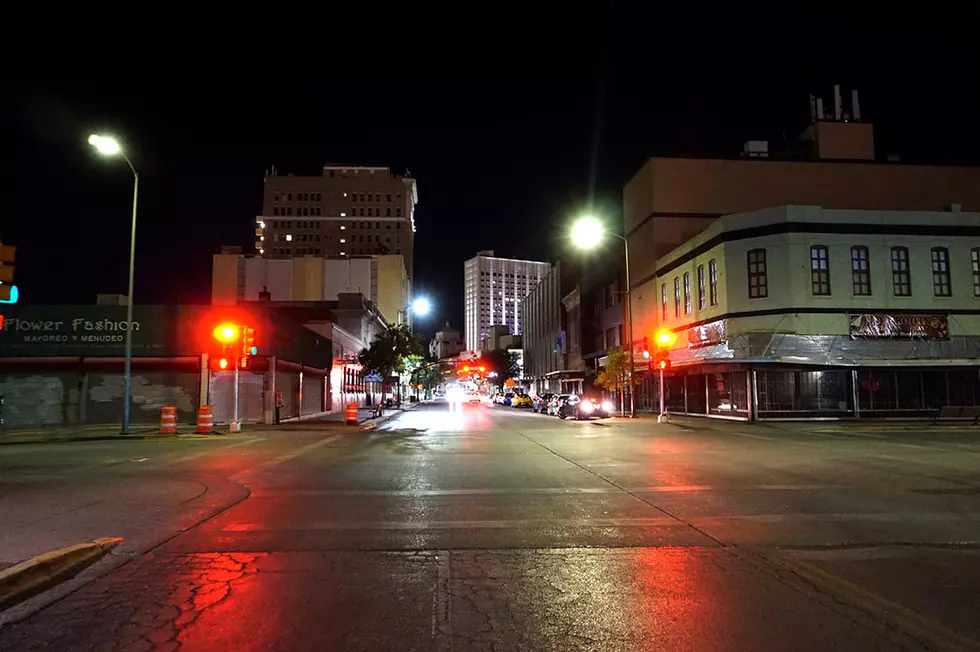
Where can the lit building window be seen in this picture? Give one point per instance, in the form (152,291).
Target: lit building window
(343,240)
(900,272)
(975,258)
(860,271)
(940,272)
(820,270)
(758,278)
(701,297)
(687,293)
(289,237)
(713,281)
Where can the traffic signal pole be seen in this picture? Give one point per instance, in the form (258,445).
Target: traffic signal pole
(236,426)
(662,417)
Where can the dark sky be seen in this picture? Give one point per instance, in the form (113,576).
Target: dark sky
(495,118)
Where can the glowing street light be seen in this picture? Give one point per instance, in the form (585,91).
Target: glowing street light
(109,146)
(588,232)
(421,306)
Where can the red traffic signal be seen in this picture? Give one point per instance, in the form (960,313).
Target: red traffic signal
(226,333)
(663,364)
(248,342)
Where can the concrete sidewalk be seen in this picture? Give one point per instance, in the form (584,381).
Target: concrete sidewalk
(98,432)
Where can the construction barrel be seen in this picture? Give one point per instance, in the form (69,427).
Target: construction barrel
(350,414)
(168,420)
(205,420)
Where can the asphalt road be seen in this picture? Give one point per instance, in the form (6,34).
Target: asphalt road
(487,528)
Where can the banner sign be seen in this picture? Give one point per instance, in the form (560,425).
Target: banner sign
(706,335)
(899,326)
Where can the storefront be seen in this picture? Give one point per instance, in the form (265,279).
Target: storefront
(64,365)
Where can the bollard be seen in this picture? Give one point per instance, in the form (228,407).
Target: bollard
(205,420)
(168,420)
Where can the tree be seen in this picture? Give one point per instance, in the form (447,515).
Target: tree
(615,375)
(503,362)
(390,352)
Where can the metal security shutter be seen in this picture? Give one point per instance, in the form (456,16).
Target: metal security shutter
(312,393)
(222,396)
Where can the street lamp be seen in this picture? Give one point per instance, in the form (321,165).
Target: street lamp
(421,306)
(587,232)
(109,146)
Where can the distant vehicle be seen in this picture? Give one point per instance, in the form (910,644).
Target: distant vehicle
(581,407)
(520,400)
(540,403)
(474,397)
(556,402)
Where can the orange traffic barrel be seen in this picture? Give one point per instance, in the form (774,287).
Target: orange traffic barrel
(168,420)
(205,420)
(350,414)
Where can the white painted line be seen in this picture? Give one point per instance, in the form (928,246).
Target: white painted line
(660,521)
(425,493)
(276,461)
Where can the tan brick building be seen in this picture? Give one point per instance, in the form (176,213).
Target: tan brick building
(348,210)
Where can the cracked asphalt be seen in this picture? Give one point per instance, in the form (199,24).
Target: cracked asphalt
(486,528)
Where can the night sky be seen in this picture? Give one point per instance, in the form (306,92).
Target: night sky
(496,119)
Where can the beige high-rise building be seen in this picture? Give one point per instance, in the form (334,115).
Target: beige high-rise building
(346,211)
(383,280)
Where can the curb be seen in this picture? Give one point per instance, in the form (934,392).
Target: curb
(30,577)
(145,437)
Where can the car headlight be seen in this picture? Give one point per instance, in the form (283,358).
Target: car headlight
(607,406)
(586,406)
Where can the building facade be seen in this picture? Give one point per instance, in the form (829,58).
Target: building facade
(494,289)
(64,366)
(346,211)
(447,343)
(383,280)
(548,341)
(802,312)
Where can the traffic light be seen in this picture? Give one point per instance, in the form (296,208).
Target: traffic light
(7,291)
(226,333)
(248,346)
(661,364)
(665,339)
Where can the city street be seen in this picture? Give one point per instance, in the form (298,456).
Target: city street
(482,527)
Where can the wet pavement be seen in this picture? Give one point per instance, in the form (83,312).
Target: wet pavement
(487,528)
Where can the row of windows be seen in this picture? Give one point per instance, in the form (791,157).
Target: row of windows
(316,196)
(300,210)
(313,211)
(711,296)
(861,282)
(313,224)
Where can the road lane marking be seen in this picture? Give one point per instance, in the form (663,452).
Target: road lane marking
(422,493)
(657,521)
(285,457)
(934,634)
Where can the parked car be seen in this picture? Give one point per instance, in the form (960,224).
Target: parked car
(508,397)
(556,402)
(583,407)
(540,402)
(520,400)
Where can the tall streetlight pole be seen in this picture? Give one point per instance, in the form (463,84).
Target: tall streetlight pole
(108,146)
(587,232)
